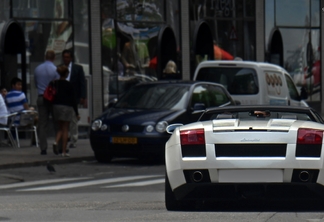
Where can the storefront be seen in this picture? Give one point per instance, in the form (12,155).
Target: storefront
(222,30)
(138,39)
(122,42)
(30,27)
(293,41)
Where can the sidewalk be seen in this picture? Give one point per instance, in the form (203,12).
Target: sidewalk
(28,155)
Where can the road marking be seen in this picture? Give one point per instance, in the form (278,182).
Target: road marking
(137,184)
(89,183)
(40,182)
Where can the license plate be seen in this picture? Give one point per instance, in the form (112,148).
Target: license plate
(124,140)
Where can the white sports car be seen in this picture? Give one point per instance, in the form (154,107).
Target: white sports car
(231,153)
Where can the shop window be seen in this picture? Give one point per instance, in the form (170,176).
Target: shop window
(232,23)
(140,10)
(249,8)
(292,13)
(40,9)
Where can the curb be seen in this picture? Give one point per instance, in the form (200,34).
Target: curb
(44,162)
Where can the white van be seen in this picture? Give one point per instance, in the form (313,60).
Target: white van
(252,82)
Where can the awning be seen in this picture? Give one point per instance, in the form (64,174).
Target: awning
(221,54)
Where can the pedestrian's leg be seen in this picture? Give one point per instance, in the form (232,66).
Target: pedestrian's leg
(56,128)
(33,139)
(58,136)
(65,134)
(74,131)
(43,116)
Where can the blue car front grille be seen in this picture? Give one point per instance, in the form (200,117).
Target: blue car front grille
(132,128)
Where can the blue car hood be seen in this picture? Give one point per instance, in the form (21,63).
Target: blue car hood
(135,116)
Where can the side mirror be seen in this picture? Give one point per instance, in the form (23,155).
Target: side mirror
(237,102)
(112,102)
(199,106)
(303,93)
(172,127)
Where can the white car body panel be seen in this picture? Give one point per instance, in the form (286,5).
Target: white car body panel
(243,169)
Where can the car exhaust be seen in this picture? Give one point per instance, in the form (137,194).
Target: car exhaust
(304,176)
(197,176)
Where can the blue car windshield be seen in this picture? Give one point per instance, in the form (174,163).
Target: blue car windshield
(164,96)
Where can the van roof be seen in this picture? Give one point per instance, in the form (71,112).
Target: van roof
(234,63)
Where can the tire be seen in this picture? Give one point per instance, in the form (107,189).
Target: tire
(103,157)
(171,203)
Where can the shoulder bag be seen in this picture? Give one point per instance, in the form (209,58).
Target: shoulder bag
(50,92)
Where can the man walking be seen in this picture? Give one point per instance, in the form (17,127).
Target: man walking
(44,73)
(77,78)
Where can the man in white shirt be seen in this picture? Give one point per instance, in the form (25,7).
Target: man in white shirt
(44,74)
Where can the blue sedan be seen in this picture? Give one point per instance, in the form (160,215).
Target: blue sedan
(135,126)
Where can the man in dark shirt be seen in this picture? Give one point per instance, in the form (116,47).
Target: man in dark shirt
(77,78)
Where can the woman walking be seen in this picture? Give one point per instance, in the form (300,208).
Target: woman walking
(64,105)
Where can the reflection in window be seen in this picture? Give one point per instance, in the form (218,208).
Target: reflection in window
(81,40)
(4,10)
(140,10)
(298,11)
(233,43)
(137,49)
(60,37)
(155,97)
(40,9)
(315,13)
(234,29)
(305,70)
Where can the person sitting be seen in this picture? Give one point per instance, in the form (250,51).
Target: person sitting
(17,102)
(3,112)
(3,91)
(16,99)
(170,71)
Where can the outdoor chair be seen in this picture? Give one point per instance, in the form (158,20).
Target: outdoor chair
(26,124)
(7,128)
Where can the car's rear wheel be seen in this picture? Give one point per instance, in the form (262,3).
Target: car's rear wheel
(171,203)
(103,157)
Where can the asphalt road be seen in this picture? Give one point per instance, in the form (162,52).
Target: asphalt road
(124,190)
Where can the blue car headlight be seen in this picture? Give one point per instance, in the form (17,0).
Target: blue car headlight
(96,125)
(161,126)
(104,127)
(149,128)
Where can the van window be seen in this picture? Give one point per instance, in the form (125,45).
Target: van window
(292,88)
(236,80)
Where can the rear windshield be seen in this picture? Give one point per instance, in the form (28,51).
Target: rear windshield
(236,80)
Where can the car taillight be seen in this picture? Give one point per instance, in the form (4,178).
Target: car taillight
(309,136)
(192,137)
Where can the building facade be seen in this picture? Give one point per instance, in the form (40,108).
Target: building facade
(122,42)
